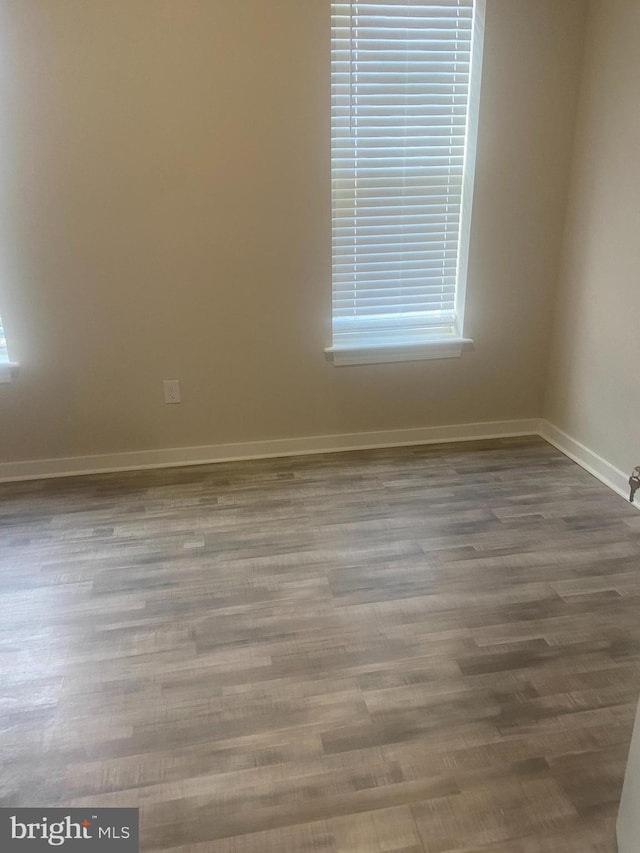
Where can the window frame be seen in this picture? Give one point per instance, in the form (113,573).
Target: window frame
(7,367)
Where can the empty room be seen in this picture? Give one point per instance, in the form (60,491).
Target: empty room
(320,426)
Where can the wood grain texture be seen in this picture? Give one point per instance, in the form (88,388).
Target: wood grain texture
(414,650)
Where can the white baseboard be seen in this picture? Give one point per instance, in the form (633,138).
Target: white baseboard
(71,466)
(588,459)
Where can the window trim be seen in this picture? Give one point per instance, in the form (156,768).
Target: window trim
(434,348)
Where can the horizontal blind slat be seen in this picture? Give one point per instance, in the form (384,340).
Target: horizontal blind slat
(375,281)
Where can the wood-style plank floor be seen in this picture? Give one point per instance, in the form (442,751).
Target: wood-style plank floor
(398,651)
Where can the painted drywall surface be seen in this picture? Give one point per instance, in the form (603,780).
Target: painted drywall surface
(594,392)
(165,213)
(629,814)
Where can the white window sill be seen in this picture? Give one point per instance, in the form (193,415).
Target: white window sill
(8,370)
(384,353)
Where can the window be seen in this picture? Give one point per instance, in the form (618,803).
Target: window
(4,355)
(405,92)
(5,365)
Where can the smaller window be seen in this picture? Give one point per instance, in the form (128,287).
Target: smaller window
(5,364)
(4,355)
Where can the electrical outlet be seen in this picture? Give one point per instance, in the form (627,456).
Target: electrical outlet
(171,391)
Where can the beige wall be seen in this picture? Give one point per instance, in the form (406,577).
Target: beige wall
(164,213)
(594,390)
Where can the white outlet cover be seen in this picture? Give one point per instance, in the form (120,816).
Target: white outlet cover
(171,390)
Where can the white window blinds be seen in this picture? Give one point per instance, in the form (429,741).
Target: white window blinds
(402,152)
(5,367)
(4,355)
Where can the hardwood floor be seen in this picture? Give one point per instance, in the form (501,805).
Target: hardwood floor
(398,651)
